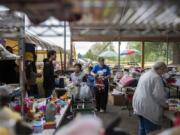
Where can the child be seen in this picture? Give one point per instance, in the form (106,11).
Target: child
(91,81)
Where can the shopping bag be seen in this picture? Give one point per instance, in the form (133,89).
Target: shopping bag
(85,92)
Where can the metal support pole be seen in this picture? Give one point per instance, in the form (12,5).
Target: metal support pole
(65,45)
(119,49)
(142,56)
(21,64)
(61,60)
(71,52)
(44,54)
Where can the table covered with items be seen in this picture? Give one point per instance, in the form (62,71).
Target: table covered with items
(41,116)
(125,85)
(173,111)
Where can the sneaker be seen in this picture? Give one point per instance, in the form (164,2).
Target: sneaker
(96,110)
(102,111)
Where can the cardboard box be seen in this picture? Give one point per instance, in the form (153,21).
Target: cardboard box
(117,100)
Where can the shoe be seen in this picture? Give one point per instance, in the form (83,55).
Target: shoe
(96,110)
(102,111)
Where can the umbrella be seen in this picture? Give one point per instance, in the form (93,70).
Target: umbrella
(130,52)
(108,54)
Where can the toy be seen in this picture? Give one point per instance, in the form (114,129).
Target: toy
(100,84)
(50,111)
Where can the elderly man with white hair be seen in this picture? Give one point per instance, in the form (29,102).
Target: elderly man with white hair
(150,98)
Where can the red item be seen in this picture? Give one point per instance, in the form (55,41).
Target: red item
(17,108)
(177,122)
(177,119)
(50,125)
(58,109)
(26,109)
(100,84)
(171,80)
(130,97)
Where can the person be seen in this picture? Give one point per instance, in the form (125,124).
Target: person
(9,71)
(77,76)
(31,74)
(150,98)
(91,80)
(48,73)
(101,72)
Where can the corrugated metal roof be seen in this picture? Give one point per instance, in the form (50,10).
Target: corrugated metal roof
(107,20)
(147,20)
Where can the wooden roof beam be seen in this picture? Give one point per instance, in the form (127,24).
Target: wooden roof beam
(125,38)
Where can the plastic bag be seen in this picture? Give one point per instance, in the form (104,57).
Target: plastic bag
(85,92)
(72,90)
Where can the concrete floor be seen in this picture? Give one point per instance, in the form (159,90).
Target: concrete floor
(128,123)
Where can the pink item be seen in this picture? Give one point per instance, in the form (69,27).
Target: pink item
(58,108)
(126,80)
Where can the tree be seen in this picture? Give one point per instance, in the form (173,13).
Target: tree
(154,51)
(98,48)
(176,53)
(89,55)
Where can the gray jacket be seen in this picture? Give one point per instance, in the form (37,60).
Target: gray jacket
(150,97)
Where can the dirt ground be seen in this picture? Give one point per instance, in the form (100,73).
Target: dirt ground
(128,123)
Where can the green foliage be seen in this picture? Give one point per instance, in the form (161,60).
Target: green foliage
(98,48)
(90,55)
(154,51)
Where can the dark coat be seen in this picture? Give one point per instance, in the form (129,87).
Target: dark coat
(8,73)
(49,77)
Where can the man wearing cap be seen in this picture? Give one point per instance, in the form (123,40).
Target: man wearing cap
(102,73)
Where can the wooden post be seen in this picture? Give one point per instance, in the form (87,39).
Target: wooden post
(167,56)
(61,60)
(142,55)
(119,63)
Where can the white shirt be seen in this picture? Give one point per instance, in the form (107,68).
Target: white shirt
(150,97)
(77,78)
